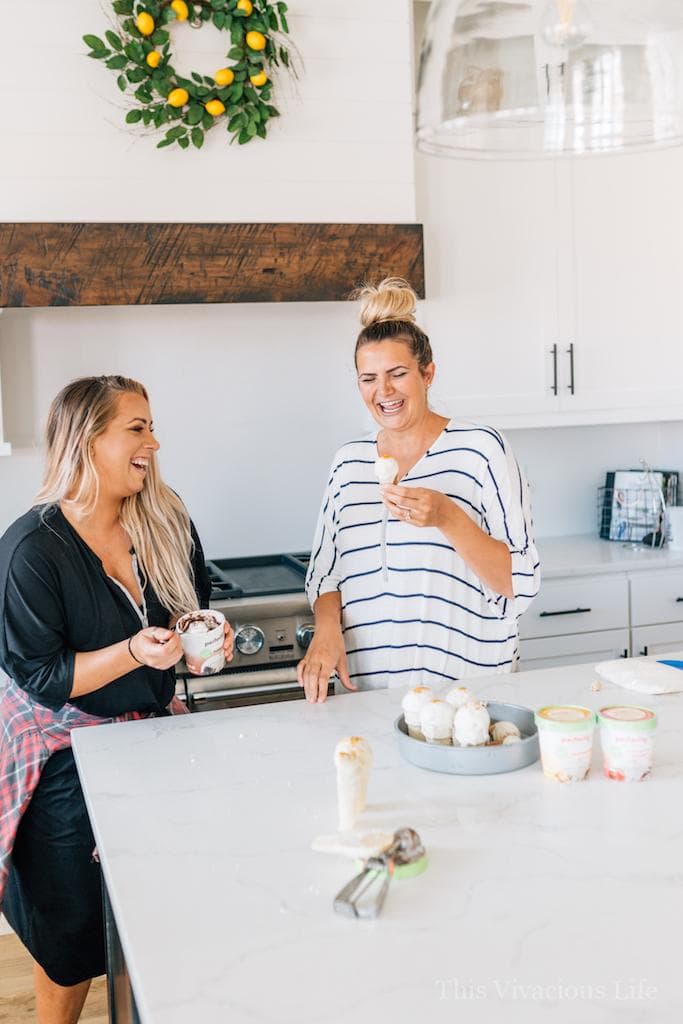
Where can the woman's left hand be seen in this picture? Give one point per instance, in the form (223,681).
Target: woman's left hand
(417,505)
(229,641)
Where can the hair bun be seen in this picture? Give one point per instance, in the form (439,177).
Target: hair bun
(391,299)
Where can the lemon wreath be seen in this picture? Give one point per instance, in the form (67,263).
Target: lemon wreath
(237,96)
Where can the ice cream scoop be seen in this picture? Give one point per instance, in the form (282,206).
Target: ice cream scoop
(436,722)
(500,731)
(412,705)
(386,469)
(471,724)
(457,696)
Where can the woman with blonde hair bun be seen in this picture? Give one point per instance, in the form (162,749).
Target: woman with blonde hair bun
(92,579)
(418,576)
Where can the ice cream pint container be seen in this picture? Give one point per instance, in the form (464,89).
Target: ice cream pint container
(202,634)
(565,734)
(627,739)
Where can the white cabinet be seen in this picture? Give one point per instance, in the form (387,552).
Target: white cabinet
(492,282)
(585,604)
(575,649)
(657,597)
(555,287)
(627,318)
(598,618)
(657,612)
(662,639)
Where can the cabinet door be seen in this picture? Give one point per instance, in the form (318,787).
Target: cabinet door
(657,597)
(626,321)
(581,605)
(576,649)
(663,639)
(490,247)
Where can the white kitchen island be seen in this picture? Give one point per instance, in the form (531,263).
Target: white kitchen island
(541,902)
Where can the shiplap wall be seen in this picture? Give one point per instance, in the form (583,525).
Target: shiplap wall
(341,151)
(250,400)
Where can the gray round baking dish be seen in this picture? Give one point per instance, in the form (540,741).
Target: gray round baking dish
(476,760)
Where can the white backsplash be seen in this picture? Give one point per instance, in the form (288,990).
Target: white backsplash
(250,402)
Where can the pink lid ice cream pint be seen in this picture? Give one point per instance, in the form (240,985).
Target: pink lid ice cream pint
(202,634)
(627,739)
(565,734)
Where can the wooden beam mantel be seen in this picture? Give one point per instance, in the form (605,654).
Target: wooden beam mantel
(140,264)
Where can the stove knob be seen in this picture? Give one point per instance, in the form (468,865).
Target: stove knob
(249,640)
(304,635)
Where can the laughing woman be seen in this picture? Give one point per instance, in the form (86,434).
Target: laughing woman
(422,580)
(91,582)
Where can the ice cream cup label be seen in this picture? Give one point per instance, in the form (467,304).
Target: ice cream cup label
(627,741)
(202,634)
(565,735)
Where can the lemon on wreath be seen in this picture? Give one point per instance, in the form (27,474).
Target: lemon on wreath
(181,9)
(256,41)
(215,108)
(177,97)
(224,76)
(258,80)
(153,59)
(246,6)
(144,23)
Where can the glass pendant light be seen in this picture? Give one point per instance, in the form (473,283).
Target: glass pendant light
(533,78)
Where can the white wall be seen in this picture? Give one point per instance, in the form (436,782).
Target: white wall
(250,400)
(342,149)
(249,404)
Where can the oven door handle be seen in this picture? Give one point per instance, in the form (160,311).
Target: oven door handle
(245,691)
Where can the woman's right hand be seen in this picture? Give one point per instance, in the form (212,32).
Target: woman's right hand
(325,656)
(156,647)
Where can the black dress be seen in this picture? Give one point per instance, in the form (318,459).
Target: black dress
(56,600)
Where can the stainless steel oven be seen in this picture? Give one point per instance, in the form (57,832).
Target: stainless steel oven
(264,600)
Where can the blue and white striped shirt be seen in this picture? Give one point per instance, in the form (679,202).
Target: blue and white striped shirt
(413,611)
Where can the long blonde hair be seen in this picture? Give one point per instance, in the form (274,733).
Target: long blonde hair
(155,518)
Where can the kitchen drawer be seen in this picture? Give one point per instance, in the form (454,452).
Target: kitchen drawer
(657,597)
(577,649)
(582,605)
(653,640)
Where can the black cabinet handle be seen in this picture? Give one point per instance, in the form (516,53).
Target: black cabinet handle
(679,600)
(554,388)
(625,654)
(569,611)
(570,353)
(644,651)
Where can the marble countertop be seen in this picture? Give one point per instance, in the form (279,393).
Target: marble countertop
(541,901)
(587,555)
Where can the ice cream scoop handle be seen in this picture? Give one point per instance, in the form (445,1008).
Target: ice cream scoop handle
(364,895)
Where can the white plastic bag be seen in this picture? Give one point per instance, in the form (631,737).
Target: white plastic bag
(644,675)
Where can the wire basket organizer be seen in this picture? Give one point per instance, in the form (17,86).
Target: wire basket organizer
(632,505)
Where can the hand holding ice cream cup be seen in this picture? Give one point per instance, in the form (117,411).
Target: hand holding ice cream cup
(207,641)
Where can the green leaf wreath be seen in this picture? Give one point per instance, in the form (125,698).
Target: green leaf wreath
(236,96)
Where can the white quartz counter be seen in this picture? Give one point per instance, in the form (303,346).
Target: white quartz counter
(586,555)
(542,902)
